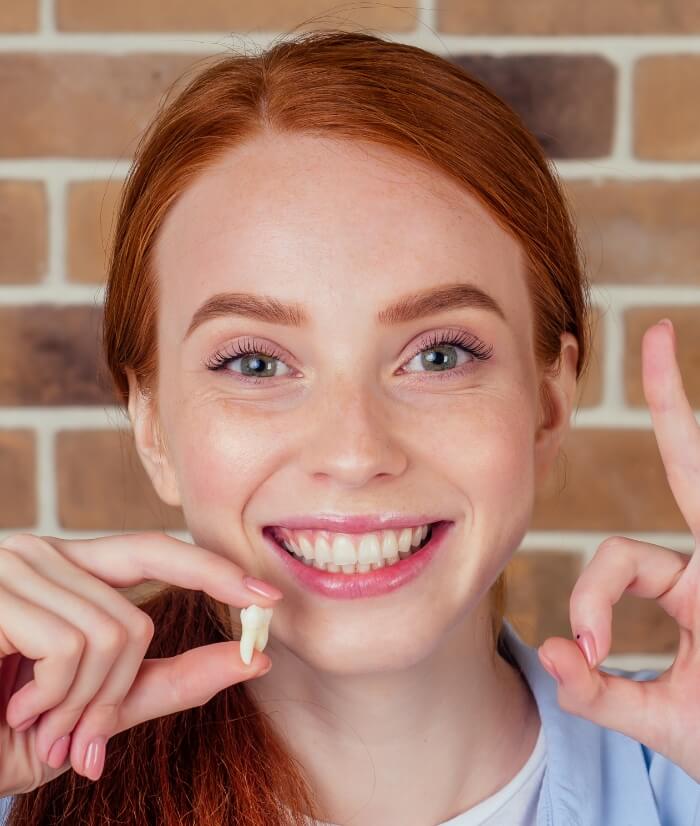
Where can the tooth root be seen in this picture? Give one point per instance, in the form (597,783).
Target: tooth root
(247,641)
(255,625)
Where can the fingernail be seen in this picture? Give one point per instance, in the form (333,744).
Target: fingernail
(263,589)
(58,752)
(27,723)
(586,643)
(95,758)
(667,322)
(549,665)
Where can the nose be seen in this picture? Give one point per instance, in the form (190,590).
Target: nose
(349,437)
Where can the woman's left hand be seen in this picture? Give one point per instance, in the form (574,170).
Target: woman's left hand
(663,713)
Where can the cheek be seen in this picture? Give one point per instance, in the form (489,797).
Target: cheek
(221,454)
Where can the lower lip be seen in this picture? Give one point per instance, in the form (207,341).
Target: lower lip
(338,585)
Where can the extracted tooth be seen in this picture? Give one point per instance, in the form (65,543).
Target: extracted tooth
(255,624)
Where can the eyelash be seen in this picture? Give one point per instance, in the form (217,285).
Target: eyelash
(248,347)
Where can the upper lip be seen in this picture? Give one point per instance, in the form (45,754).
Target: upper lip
(355,524)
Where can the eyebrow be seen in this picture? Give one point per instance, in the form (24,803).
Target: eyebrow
(408,308)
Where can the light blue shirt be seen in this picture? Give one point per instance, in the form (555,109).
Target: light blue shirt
(595,776)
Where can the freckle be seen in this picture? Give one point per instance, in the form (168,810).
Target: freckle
(578,636)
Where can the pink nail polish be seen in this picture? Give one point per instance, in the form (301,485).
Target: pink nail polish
(95,758)
(261,588)
(586,643)
(549,665)
(58,752)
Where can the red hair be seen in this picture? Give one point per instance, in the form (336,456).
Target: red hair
(223,763)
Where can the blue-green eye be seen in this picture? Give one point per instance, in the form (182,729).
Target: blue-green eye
(442,343)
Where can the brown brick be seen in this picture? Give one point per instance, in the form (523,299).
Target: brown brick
(91,207)
(538,585)
(685,323)
(18,503)
(538,594)
(590,387)
(19,16)
(666,111)
(23,232)
(568,17)
(613,480)
(639,232)
(223,15)
(83,105)
(567,101)
(51,355)
(103,486)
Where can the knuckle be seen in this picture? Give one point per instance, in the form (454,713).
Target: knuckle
(110,638)
(611,545)
(71,642)
(142,627)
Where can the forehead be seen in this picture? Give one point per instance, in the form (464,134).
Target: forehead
(322,221)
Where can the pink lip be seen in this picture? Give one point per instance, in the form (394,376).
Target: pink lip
(355,524)
(374,583)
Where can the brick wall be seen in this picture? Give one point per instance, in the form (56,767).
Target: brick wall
(609,88)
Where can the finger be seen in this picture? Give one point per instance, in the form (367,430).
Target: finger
(99,714)
(637,709)
(677,432)
(620,565)
(42,636)
(123,561)
(117,633)
(172,684)
(101,641)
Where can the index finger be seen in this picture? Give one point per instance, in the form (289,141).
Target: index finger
(125,560)
(677,432)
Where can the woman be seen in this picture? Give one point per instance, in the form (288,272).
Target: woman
(347,315)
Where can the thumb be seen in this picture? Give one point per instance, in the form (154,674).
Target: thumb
(172,684)
(605,699)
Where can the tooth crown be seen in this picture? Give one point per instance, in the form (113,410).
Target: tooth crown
(349,549)
(255,624)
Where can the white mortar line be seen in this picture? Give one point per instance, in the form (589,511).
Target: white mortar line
(46,17)
(46,487)
(436,41)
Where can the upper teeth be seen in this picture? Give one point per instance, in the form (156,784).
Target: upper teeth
(349,549)
(255,624)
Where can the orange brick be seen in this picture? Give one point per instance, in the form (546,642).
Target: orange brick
(83,105)
(568,17)
(639,232)
(566,100)
(51,355)
(538,594)
(223,15)
(103,486)
(91,213)
(18,502)
(610,480)
(685,322)
(19,16)
(538,585)
(666,111)
(23,232)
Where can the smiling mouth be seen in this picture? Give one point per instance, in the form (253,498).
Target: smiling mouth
(337,553)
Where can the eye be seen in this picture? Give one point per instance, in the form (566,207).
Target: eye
(441,356)
(253,357)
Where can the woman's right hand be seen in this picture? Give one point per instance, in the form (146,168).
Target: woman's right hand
(61,615)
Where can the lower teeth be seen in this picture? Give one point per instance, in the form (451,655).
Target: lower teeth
(365,567)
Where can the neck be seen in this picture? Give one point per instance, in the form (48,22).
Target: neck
(411,746)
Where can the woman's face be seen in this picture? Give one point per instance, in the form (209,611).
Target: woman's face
(352,415)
